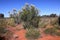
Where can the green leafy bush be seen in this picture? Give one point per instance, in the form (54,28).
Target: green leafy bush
(32,33)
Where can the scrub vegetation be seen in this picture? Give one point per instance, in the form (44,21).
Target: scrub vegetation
(32,22)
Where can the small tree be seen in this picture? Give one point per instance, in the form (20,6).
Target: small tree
(14,15)
(53,15)
(1,15)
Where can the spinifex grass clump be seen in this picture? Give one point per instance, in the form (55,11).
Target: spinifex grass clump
(3,23)
(50,31)
(54,21)
(10,22)
(4,30)
(32,34)
(42,24)
(3,26)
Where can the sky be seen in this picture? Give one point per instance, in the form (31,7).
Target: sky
(45,7)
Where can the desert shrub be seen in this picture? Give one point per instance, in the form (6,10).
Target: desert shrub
(9,34)
(2,30)
(42,24)
(32,33)
(3,23)
(50,31)
(10,22)
(30,16)
(26,25)
(57,33)
(57,27)
(3,26)
(59,20)
(1,15)
(53,15)
(54,21)
(33,23)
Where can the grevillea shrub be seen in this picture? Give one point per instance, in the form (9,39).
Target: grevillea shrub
(30,16)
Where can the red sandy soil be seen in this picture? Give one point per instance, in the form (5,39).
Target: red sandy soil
(21,35)
(49,37)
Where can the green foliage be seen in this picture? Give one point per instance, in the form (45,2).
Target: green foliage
(32,33)
(26,25)
(15,16)
(30,16)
